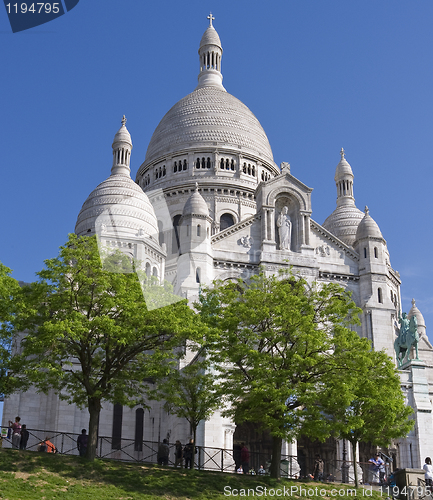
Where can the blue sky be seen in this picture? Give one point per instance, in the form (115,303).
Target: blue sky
(318,75)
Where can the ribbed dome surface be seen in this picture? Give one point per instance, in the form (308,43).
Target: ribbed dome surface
(195,205)
(210,37)
(119,204)
(209,116)
(368,228)
(343,223)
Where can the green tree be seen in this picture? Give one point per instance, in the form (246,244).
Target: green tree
(191,393)
(89,334)
(279,346)
(10,304)
(369,405)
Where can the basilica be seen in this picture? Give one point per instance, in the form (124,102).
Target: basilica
(209,202)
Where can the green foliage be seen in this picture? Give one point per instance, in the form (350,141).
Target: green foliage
(10,305)
(89,333)
(191,393)
(280,342)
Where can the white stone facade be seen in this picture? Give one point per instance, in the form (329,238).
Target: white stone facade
(208,207)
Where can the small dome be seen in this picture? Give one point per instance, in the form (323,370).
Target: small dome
(343,169)
(343,223)
(122,135)
(414,311)
(210,37)
(368,227)
(117,205)
(195,205)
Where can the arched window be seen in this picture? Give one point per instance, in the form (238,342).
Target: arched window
(163,171)
(226,220)
(227,164)
(160,232)
(232,164)
(375,252)
(148,269)
(197,163)
(222,163)
(139,427)
(244,168)
(203,163)
(379,295)
(198,275)
(155,272)
(365,252)
(208,163)
(185,165)
(175,238)
(175,167)
(198,230)
(116,434)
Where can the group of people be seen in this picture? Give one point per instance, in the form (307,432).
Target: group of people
(181,453)
(20,434)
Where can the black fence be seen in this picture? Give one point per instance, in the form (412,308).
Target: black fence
(206,458)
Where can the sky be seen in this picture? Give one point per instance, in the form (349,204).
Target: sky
(318,75)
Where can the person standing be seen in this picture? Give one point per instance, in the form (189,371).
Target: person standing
(178,454)
(319,465)
(16,432)
(82,441)
(428,467)
(188,453)
(163,453)
(245,458)
(375,465)
(24,437)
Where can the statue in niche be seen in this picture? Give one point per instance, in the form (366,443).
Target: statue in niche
(408,336)
(284,225)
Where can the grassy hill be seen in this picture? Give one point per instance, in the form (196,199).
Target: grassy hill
(26,475)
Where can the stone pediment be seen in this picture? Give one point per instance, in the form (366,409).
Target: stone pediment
(285,183)
(332,241)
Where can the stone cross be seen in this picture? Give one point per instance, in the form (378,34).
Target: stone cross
(211,18)
(342,153)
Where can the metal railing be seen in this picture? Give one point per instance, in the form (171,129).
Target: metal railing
(206,458)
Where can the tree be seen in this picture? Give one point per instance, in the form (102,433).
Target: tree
(280,344)
(89,334)
(10,304)
(369,406)
(191,393)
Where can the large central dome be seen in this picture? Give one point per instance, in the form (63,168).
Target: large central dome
(209,116)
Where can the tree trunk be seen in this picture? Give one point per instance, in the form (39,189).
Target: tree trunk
(94,411)
(355,465)
(194,436)
(276,457)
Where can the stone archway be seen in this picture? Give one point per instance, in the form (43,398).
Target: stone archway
(258,442)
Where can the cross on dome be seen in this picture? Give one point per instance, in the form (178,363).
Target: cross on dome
(211,18)
(342,154)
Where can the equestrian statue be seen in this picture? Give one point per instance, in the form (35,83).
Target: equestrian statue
(408,336)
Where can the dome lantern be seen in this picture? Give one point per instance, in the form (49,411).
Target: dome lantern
(210,55)
(122,146)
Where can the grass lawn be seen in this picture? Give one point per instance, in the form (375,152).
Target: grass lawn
(27,475)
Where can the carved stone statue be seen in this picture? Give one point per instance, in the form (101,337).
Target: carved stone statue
(284,225)
(408,337)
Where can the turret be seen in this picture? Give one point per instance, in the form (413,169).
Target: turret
(210,55)
(122,146)
(195,263)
